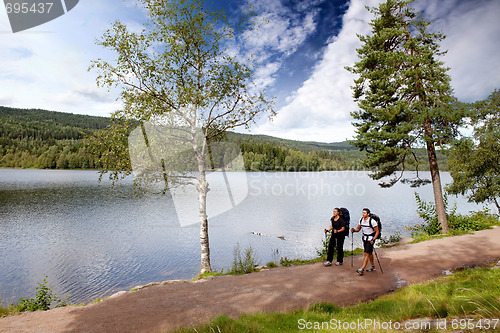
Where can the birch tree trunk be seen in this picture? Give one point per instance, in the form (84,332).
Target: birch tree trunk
(202,201)
(201,149)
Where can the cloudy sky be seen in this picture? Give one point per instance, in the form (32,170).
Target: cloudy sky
(302,47)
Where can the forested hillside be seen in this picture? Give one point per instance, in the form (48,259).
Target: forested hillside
(33,138)
(304,146)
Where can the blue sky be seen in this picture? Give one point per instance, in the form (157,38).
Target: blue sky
(302,51)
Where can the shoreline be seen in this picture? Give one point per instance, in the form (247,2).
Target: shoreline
(279,290)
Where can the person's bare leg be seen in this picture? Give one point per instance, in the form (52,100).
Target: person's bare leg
(365,260)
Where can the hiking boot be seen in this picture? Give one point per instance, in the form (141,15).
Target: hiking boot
(360,271)
(328,263)
(338,264)
(370,269)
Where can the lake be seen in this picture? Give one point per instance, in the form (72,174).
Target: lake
(92,239)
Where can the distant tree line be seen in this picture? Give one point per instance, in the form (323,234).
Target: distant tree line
(33,138)
(268,157)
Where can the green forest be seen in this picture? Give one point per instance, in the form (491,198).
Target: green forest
(34,138)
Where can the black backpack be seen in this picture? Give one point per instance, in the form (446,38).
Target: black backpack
(379,224)
(347,218)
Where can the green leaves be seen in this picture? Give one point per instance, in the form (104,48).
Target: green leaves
(179,60)
(176,74)
(110,147)
(43,300)
(403,92)
(475,162)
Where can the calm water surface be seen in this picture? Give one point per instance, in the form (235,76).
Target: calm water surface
(92,239)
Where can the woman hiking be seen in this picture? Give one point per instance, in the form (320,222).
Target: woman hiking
(336,238)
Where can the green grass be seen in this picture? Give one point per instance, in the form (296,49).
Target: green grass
(271,264)
(284,261)
(417,238)
(207,275)
(4,311)
(468,293)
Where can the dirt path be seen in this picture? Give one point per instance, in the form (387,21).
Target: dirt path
(166,307)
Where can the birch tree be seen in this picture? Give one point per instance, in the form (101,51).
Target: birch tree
(404,97)
(177,75)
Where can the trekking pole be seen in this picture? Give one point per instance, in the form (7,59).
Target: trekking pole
(326,242)
(352,249)
(376,255)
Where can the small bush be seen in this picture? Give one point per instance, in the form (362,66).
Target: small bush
(43,300)
(285,262)
(245,263)
(457,223)
(474,221)
(4,311)
(391,239)
(271,264)
(323,251)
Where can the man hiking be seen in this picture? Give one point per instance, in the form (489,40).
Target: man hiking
(336,238)
(370,231)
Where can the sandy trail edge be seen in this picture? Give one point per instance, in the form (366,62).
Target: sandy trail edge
(166,307)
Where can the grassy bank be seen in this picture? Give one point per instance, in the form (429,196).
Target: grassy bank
(457,301)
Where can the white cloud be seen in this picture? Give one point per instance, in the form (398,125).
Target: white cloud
(320,109)
(472,40)
(50,76)
(278,32)
(265,75)
(277,28)
(46,67)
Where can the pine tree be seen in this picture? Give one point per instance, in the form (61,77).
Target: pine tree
(404,97)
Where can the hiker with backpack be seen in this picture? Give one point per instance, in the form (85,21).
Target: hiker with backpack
(338,229)
(369,225)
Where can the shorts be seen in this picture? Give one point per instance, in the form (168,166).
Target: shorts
(368,246)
